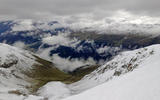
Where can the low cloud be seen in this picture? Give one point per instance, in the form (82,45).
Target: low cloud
(19,44)
(65,64)
(23,26)
(59,39)
(70,65)
(117,22)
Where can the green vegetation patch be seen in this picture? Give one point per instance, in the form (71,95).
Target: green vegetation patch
(45,71)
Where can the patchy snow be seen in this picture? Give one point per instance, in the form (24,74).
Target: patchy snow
(141,84)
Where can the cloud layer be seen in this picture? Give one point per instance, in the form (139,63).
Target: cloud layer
(49,9)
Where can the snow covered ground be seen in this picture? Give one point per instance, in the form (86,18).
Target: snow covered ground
(141,84)
(13,62)
(54,90)
(119,65)
(132,75)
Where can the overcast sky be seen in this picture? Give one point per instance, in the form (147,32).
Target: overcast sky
(98,9)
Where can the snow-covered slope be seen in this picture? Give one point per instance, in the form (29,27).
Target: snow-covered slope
(13,62)
(22,73)
(120,78)
(140,84)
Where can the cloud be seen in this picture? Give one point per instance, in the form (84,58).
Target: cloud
(70,65)
(60,39)
(81,14)
(107,49)
(23,26)
(19,44)
(42,9)
(65,64)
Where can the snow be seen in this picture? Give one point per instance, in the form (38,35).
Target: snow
(106,72)
(9,53)
(141,84)
(12,78)
(54,91)
(32,97)
(6,96)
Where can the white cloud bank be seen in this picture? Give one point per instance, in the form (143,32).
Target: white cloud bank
(19,44)
(59,39)
(119,22)
(70,65)
(23,25)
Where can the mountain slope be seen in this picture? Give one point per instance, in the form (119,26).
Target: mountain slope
(12,63)
(141,84)
(119,65)
(22,73)
(17,71)
(120,78)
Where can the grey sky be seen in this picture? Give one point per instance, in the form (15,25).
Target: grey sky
(41,9)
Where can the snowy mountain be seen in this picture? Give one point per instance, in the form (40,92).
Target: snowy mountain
(12,63)
(22,73)
(121,64)
(140,84)
(129,75)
